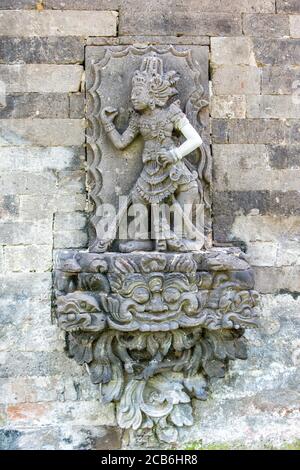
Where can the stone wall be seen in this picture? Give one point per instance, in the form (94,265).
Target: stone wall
(46,400)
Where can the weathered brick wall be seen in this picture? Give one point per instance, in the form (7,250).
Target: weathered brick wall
(46,400)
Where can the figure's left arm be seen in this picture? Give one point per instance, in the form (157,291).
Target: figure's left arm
(193,139)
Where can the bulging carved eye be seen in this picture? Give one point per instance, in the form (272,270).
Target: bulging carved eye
(140,295)
(71,316)
(171,295)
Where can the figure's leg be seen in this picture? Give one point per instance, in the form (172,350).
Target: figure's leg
(159,226)
(101,244)
(139,210)
(187,197)
(165,238)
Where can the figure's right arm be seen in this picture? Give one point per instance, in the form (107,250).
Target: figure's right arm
(120,141)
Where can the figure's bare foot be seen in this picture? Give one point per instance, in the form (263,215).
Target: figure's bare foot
(176,245)
(100,246)
(136,245)
(160,245)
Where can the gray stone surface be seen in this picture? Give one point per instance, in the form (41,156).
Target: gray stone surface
(77,105)
(189,6)
(16,233)
(34,183)
(277,51)
(41,132)
(46,206)
(9,207)
(284,156)
(264,131)
(270,106)
(53,413)
(281,80)
(230,107)
(62,437)
(32,105)
(35,50)
(255,179)
(38,159)
(31,285)
(98,293)
(145,21)
(275,280)
(73,220)
(82,4)
(295,26)
(16,4)
(256,406)
(229,204)
(266,25)
(288,6)
(41,78)
(28,258)
(71,238)
(232,51)
(236,80)
(26,23)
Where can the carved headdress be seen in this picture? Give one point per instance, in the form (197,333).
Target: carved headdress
(161,86)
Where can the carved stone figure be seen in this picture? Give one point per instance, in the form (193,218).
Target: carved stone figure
(164,176)
(154,319)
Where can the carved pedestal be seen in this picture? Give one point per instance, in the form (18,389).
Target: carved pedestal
(153,328)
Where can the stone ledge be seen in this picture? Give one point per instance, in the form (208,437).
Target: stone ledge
(215,259)
(148,40)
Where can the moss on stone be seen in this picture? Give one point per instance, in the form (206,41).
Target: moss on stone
(198,445)
(295,445)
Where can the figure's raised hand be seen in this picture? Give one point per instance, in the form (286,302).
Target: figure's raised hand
(108,114)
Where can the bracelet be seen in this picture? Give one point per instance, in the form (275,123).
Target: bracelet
(108,126)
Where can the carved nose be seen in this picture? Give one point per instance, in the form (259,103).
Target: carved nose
(157,306)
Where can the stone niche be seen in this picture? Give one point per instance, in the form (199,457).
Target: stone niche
(152,325)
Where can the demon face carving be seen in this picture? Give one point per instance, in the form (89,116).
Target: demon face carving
(79,311)
(152,329)
(152,301)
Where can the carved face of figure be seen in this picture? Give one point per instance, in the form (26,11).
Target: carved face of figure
(155,302)
(140,98)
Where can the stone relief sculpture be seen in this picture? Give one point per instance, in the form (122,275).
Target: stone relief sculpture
(165,175)
(155,317)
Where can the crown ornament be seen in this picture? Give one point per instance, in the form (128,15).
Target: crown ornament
(152,65)
(151,74)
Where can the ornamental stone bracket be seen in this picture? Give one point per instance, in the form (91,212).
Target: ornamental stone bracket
(152,319)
